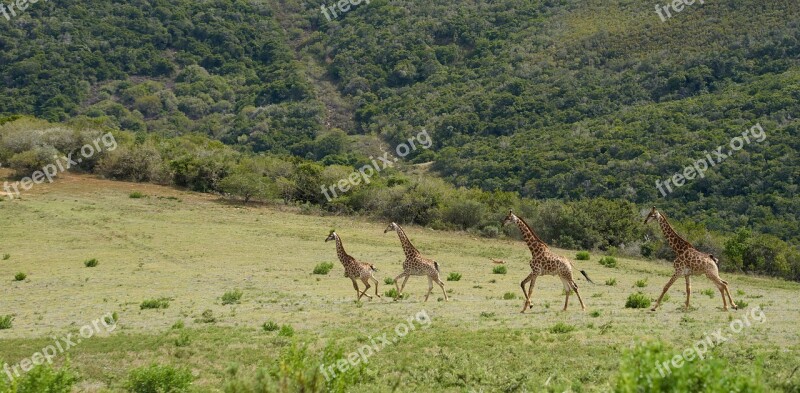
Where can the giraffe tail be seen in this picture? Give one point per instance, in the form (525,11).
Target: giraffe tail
(587,276)
(436,265)
(371,266)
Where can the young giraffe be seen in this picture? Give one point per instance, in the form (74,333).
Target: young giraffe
(354,269)
(415,264)
(689,261)
(544,263)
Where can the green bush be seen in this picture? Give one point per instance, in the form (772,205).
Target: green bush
(582,255)
(270,326)
(641,283)
(388,281)
(136,195)
(20,276)
(561,328)
(454,277)
(499,270)
(608,261)
(611,282)
(154,303)
(639,373)
(392,293)
(6,322)
(286,331)
(91,262)
(509,296)
(157,378)
(6,257)
(637,300)
(323,268)
(232,297)
(741,303)
(41,379)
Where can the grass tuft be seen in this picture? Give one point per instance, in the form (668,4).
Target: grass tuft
(388,281)
(323,268)
(638,300)
(90,262)
(154,304)
(500,270)
(509,296)
(641,283)
(454,276)
(611,282)
(6,322)
(270,326)
(608,261)
(136,195)
(561,328)
(582,255)
(157,378)
(232,297)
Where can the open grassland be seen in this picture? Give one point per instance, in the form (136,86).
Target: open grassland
(192,248)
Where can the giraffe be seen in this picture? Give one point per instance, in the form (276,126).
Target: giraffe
(688,262)
(544,262)
(354,269)
(415,264)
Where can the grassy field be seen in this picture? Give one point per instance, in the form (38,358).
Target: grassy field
(191,248)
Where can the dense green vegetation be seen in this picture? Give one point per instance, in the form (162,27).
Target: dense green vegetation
(568,111)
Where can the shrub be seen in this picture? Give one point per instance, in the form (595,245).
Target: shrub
(6,322)
(6,257)
(499,270)
(270,326)
(741,303)
(136,195)
(111,320)
(641,283)
(637,300)
(156,378)
(611,282)
(42,379)
(639,372)
(178,325)
(392,293)
(323,268)
(608,261)
(708,292)
(509,296)
(454,277)
(561,328)
(20,276)
(286,331)
(154,303)
(91,262)
(232,297)
(582,255)
(388,281)
(595,314)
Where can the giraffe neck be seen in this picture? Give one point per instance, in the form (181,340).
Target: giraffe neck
(408,248)
(677,243)
(535,244)
(343,257)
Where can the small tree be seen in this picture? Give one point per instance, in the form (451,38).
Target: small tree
(247,186)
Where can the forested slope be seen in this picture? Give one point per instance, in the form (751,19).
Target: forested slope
(582,101)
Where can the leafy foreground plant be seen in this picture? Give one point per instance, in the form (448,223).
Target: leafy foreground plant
(639,373)
(298,370)
(40,379)
(637,300)
(157,378)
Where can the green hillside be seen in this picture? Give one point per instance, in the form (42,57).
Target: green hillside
(571,111)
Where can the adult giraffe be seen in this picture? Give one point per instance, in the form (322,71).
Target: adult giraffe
(544,263)
(689,261)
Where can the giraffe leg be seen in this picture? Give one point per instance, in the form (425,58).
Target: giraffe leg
(575,288)
(358,292)
(396,285)
(728,291)
(522,284)
(527,304)
(664,292)
(688,292)
(441,284)
(430,288)
(568,290)
(721,285)
(376,287)
(365,280)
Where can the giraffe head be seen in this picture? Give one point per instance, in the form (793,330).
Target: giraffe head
(654,214)
(391,227)
(511,217)
(331,236)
